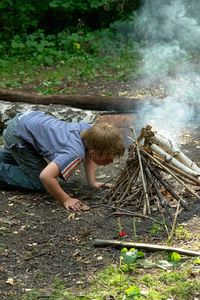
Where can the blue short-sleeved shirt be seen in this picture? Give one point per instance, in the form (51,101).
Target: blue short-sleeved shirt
(55,140)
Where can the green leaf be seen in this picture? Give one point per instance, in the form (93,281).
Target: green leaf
(53,4)
(124,250)
(164,264)
(140,253)
(197,260)
(133,291)
(145,263)
(130,256)
(174,256)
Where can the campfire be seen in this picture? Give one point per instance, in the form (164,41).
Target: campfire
(153,174)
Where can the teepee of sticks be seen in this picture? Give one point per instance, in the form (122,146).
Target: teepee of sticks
(143,180)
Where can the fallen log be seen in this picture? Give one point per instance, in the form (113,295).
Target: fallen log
(91,102)
(150,247)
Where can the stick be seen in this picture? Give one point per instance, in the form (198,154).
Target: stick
(150,247)
(160,196)
(4,220)
(146,200)
(136,171)
(182,173)
(172,174)
(173,150)
(172,160)
(174,223)
(171,191)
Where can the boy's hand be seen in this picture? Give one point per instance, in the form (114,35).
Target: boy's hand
(73,204)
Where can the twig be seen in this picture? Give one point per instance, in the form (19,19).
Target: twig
(37,255)
(171,191)
(172,174)
(4,220)
(134,175)
(160,196)
(182,173)
(150,247)
(146,204)
(174,222)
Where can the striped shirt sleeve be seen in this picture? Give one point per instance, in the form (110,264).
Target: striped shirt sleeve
(70,168)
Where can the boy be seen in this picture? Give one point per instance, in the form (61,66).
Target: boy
(32,138)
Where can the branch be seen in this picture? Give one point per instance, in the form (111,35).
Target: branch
(170,148)
(172,174)
(150,247)
(146,202)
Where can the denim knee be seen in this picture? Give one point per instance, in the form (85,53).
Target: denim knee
(6,156)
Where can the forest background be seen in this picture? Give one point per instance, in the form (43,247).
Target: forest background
(85,34)
(95,39)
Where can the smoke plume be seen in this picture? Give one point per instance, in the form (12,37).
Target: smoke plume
(172,28)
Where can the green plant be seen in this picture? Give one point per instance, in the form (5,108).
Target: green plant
(181,232)
(129,258)
(155,228)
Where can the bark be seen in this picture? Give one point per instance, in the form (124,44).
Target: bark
(150,247)
(8,110)
(172,160)
(179,172)
(173,150)
(172,174)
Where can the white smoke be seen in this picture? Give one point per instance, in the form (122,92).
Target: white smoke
(172,28)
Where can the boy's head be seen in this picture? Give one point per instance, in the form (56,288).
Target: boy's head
(103,142)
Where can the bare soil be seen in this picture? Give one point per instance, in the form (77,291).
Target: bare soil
(41,241)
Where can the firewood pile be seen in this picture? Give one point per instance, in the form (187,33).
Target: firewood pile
(147,179)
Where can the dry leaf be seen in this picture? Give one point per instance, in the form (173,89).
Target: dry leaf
(10,280)
(12,198)
(85,207)
(1,269)
(71,216)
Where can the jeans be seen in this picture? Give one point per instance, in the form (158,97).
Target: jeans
(20,167)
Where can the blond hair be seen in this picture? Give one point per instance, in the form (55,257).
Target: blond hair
(105,139)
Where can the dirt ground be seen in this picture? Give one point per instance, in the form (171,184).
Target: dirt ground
(41,241)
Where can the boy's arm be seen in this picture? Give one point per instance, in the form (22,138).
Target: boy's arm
(48,177)
(89,167)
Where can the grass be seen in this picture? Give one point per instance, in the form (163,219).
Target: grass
(163,278)
(154,284)
(57,77)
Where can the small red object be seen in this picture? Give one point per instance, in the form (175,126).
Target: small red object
(121,233)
